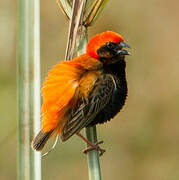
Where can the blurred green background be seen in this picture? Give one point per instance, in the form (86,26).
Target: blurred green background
(142,142)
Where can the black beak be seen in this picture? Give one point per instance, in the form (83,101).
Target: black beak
(122,51)
(122,44)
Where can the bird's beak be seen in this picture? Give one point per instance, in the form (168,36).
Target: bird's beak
(122,51)
(122,44)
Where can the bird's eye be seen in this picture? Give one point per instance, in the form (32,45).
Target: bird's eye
(110,45)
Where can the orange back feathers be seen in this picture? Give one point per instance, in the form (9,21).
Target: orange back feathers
(101,39)
(60,87)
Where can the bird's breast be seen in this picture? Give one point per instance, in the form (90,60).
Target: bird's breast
(118,97)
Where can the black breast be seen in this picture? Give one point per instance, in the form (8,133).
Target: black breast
(117,101)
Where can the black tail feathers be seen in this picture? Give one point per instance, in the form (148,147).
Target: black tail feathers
(40,140)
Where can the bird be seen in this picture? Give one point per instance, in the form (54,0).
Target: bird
(88,90)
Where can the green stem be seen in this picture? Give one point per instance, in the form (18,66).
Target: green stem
(29,162)
(91,133)
(93,156)
(79,34)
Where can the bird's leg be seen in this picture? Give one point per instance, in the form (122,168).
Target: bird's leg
(91,145)
(95,146)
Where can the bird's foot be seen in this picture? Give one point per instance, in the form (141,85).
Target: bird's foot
(92,146)
(95,147)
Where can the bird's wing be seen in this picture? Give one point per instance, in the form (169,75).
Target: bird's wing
(58,90)
(88,108)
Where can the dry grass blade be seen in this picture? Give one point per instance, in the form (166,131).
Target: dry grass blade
(91,10)
(96,8)
(77,16)
(65,7)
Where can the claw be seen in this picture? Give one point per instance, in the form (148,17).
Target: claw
(95,147)
(91,146)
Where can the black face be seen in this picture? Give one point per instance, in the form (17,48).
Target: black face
(112,52)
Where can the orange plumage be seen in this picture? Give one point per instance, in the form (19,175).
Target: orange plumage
(59,89)
(72,88)
(99,40)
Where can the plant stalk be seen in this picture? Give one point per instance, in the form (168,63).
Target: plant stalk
(29,162)
(83,12)
(91,133)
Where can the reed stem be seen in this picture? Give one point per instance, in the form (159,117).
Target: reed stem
(80,18)
(94,170)
(29,162)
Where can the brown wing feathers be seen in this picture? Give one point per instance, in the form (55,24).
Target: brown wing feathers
(97,98)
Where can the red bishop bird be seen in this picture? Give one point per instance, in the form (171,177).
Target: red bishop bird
(88,90)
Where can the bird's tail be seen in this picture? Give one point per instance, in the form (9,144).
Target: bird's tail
(40,140)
